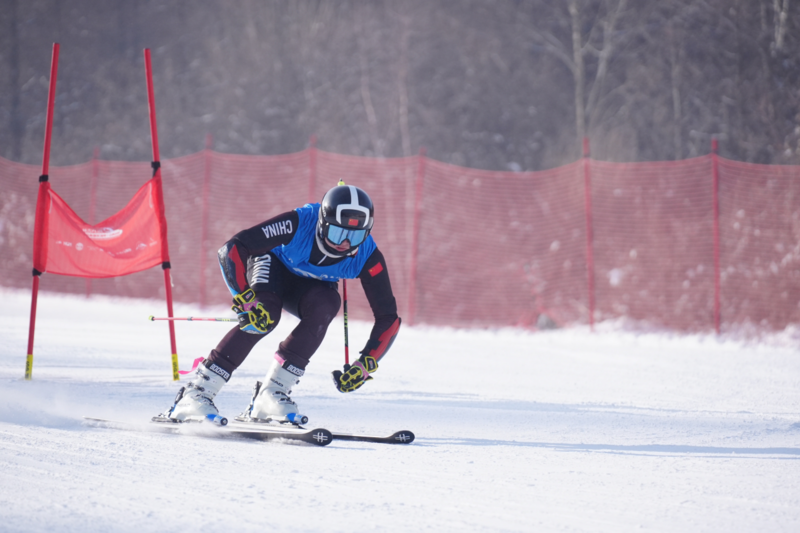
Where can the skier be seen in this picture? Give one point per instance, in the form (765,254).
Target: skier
(293,262)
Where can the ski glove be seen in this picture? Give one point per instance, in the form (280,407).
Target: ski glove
(355,375)
(253,318)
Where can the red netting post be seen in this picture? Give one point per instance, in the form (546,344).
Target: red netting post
(412,280)
(312,169)
(715,210)
(587,184)
(93,203)
(162,219)
(42,208)
(204,226)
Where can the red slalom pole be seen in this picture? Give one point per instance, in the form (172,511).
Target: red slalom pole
(162,219)
(42,208)
(151,102)
(51,100)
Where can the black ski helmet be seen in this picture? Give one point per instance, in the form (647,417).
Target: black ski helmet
(346,213)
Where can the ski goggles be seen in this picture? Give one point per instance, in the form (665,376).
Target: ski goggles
(337,235)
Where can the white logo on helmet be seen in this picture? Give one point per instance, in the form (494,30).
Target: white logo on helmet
(353,205)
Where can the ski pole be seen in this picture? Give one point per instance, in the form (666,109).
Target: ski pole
(344,310)
(194,319)
(346,344)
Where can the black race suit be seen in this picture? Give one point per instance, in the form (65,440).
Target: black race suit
(246,261)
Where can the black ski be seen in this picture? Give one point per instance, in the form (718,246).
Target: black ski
(317,437)
(244,420)
(398,437)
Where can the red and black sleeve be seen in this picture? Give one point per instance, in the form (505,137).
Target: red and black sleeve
(378,289)
(254,241)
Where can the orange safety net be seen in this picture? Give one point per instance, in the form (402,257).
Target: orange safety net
(473,248)
(653,241)
(759,244)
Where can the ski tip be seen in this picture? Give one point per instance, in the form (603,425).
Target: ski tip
(94,420)
(403,437)
(320,437)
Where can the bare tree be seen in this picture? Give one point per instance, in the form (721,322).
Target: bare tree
(366,95)
(781,15)
(478,83)
(676,58)
(599,43)
(402,86)
(16,125)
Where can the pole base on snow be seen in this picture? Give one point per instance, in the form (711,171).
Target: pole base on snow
(175,375)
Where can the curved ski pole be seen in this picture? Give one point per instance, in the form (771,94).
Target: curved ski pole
(193,319)
(344,311)
(346,343)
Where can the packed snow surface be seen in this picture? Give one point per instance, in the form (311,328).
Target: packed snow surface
(563,430)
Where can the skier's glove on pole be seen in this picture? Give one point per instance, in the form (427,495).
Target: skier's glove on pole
(355,375)
(253,318)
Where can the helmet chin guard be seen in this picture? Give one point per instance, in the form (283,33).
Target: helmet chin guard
(345,215)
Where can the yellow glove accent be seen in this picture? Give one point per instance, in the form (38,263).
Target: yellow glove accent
(253,318)
(355,375)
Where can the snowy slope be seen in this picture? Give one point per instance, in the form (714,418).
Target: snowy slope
(556,431)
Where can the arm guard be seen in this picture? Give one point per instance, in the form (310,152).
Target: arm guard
(233,266)
(375,281)
(377,348)
(378,290)
(254,241)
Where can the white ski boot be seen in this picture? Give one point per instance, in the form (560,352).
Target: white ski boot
(271,401)
(195,402)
